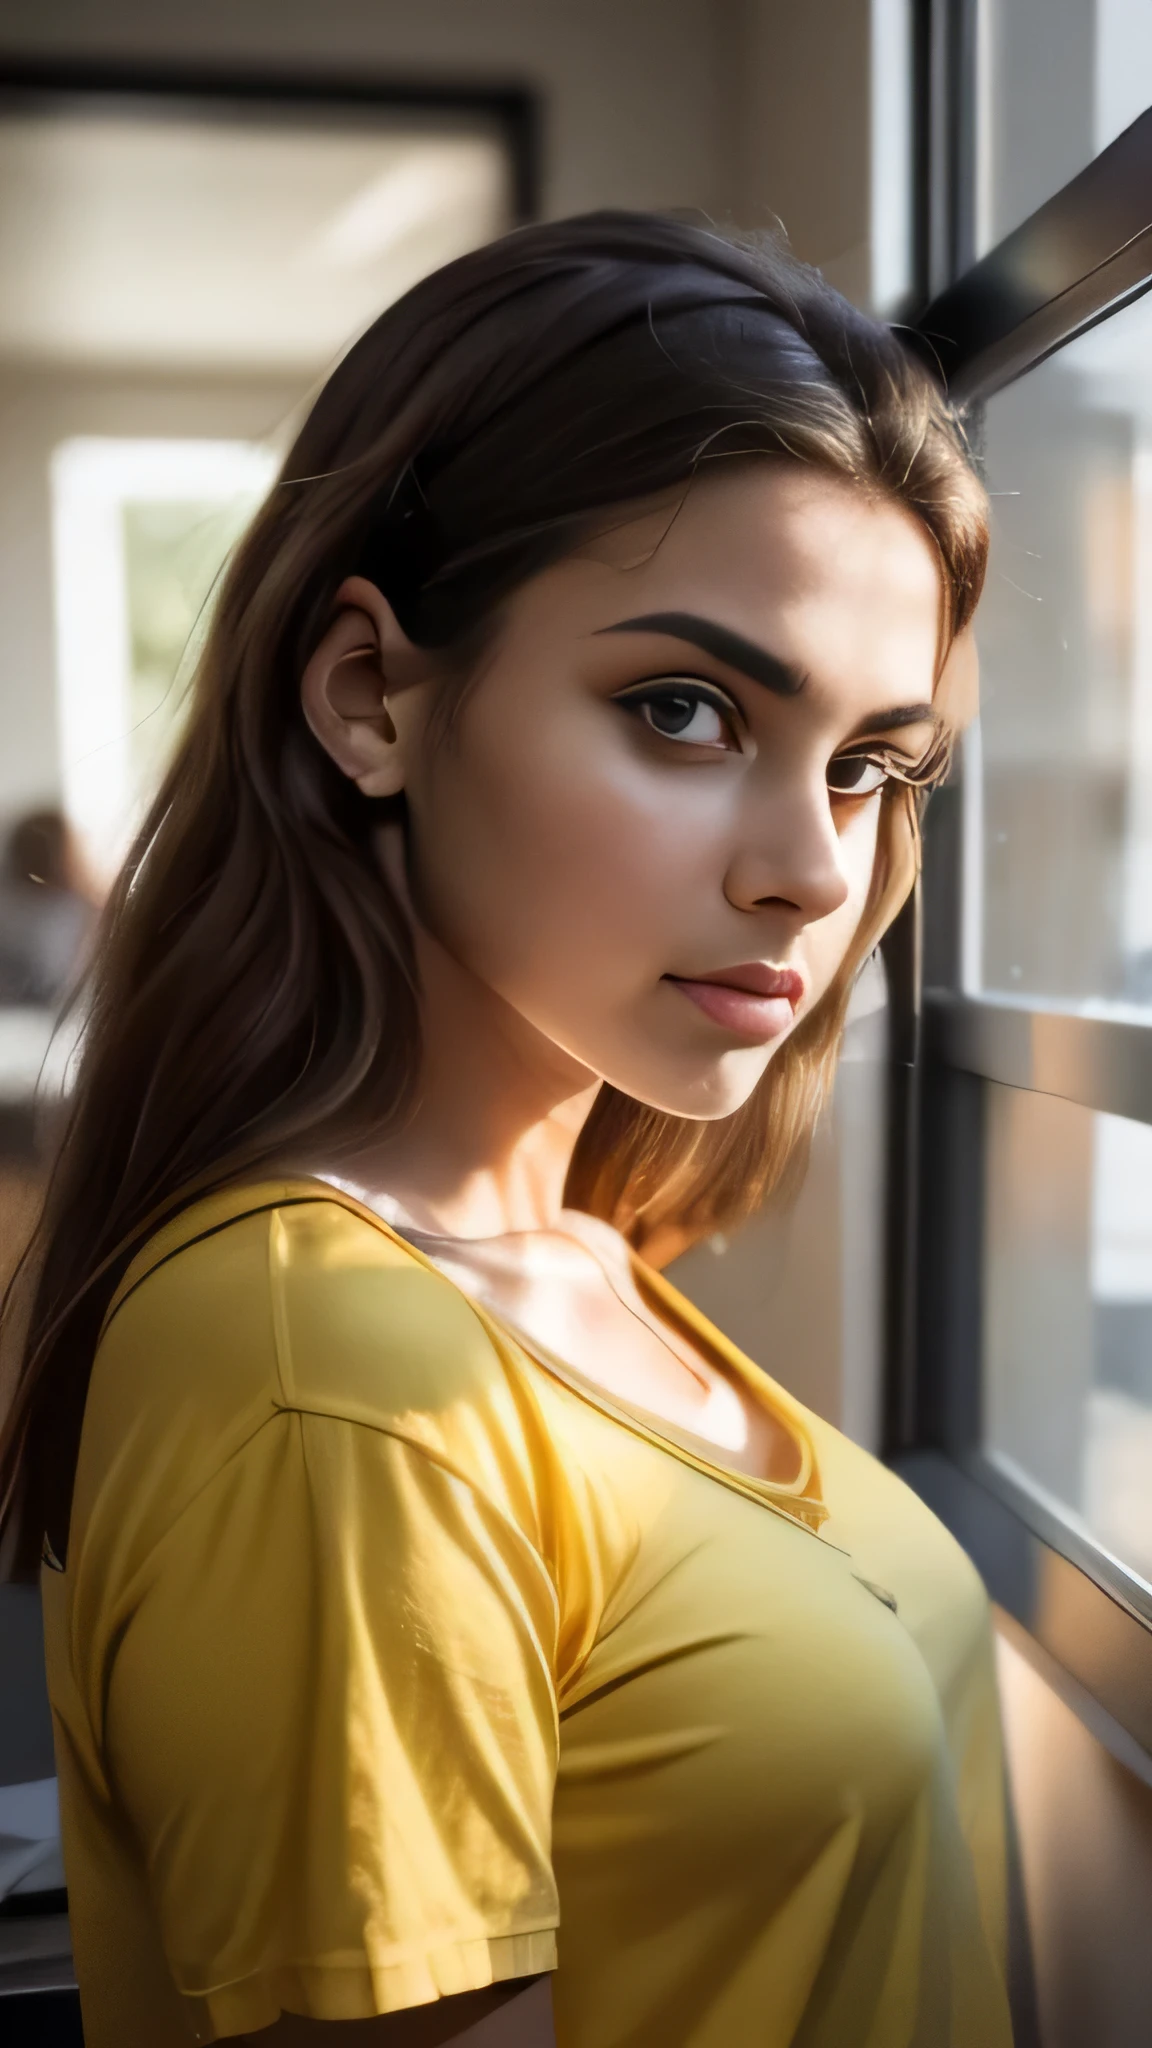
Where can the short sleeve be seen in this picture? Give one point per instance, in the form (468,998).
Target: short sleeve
(331,1727)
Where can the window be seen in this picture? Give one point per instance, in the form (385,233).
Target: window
(1064,823)
(1026,1222)
(1056,931)
(1067,1351)
(141,530)
(1057,81)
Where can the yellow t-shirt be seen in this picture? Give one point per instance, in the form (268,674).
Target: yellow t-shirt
(391,1660)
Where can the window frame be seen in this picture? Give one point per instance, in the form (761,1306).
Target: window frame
(1082,257)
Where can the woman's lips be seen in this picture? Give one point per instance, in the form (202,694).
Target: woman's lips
(753,1002)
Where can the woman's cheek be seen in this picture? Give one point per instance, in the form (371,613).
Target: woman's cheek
(532,878)
(858,841)
(606,835)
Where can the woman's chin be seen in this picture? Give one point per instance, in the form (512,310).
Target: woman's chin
(699,1094)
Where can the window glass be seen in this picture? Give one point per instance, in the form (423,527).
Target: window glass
(141,531)
(1057,81)
(173,558)
(1059,774)
(1068,1313)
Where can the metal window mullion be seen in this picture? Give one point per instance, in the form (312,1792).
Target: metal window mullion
(1102,1063)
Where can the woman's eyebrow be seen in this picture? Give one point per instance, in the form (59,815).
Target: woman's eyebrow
(762,667)
(725,645)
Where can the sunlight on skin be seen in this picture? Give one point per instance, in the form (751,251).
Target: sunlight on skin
(567,858)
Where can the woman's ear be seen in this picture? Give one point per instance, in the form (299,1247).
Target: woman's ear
(352,688)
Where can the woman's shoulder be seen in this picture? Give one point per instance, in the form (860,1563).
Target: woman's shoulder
(282,1382)
(294,1290)
(263,1315)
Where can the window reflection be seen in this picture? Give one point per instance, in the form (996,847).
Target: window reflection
(1068,1312)
(1060,774)
(1056,82)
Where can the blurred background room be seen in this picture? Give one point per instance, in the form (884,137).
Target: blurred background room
(200,207)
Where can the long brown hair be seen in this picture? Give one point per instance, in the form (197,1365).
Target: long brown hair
(255,986)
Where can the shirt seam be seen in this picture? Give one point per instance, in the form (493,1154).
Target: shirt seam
(188,1244)
(460,1478)
(286,1405)
(288,1409)
(276,1247)
(130,1592)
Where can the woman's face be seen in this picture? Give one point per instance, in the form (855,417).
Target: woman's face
(651,828)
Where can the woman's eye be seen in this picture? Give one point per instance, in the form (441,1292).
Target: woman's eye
(856,775)
(684,714)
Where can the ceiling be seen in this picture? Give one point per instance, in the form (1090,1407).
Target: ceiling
(165,242)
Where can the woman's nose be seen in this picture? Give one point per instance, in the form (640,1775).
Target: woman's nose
(790,853)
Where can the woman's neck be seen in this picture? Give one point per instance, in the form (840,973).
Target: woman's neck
(498,1111)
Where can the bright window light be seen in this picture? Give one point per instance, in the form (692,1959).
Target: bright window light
(140,532)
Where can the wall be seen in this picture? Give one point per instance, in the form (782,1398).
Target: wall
(632,88)
(745,108)
(798,80)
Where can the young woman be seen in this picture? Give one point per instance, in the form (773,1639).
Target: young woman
(451,1637)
